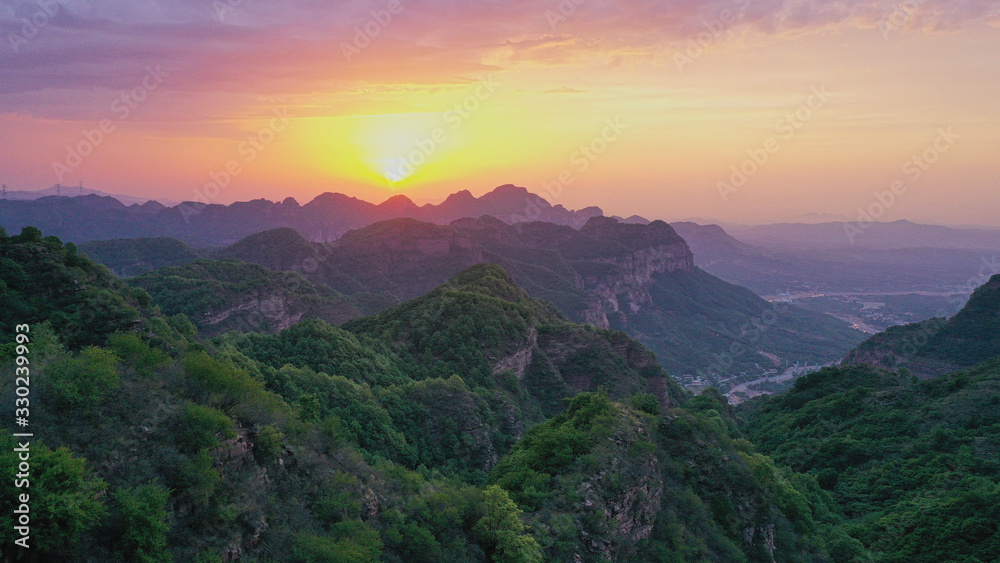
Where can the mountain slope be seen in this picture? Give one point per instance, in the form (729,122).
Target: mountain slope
(631,277)
(223,295)
(641,279)
(277,249)
(912,464)
(132,257)
(611,481)
(938,346)
(482,326)
(318,444)
(44,281)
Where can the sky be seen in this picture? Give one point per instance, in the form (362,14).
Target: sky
(742,111)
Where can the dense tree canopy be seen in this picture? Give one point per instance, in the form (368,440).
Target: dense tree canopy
(472,424)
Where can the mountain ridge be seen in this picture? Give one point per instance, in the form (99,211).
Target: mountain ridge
(637,278)
(325,218)
(939,346)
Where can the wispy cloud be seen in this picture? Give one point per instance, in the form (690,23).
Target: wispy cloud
(268,47)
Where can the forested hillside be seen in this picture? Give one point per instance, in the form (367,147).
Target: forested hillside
(913,465)
(133,257)
(939,346)
(516,436)
(224,295)
(636,278)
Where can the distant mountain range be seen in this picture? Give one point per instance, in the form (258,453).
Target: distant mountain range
(58,190)
(378,255)
(100,216)
(769,266)
(325,218)
(885,236)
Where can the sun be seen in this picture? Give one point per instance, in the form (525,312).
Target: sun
(391,150)
(394,170)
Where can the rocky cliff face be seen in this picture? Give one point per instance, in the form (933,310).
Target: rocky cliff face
(610,263)
(403,257)
(257,311)
(558,351)
(622,287)
(627,512)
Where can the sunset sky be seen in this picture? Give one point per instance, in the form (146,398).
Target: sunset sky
(640,106)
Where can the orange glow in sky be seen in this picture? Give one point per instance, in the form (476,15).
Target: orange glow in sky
(636,107)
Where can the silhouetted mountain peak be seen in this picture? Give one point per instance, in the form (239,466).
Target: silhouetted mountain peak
(151,206)
(508,190)
(400,205)
(333,198)
(91,201)
(463,196)
(634,219)
(510,195)
(394,229)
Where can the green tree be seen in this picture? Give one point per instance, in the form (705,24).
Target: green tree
(137,353)
(501,530)
(309,407)
(352,541)
(83,381)
(30,234)
(64,501)
(269,442)
(198,477)
(144,519)
(201,428)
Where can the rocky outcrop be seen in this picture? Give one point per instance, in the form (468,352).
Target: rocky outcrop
(403,257)
(253,313)
(643,251)
(272,310)
(628,511)
(610,263)
(636,366)
(519,361)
